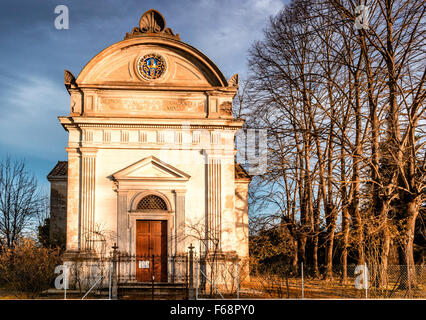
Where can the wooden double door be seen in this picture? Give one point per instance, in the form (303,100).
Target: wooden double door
(151,250)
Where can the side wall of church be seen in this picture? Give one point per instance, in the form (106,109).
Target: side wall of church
(58,210)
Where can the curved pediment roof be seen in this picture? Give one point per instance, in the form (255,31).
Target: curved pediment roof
(118,65)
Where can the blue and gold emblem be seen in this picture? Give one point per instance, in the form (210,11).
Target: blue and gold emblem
(151,66)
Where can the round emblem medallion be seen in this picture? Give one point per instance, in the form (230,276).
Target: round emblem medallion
(151,66)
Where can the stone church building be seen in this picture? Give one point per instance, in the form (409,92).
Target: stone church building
(151,153)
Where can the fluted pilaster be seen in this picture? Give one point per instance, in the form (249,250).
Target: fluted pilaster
(87,214)
(214,201)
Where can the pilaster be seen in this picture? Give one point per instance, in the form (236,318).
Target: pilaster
(123,240)
(180,221)
(214,200)
(73,201)
(87,216)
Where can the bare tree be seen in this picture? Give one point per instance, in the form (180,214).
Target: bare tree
(20,201)
(343,107)
(393,46)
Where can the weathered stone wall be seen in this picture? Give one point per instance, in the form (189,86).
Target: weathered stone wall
(241,217)
(58,210)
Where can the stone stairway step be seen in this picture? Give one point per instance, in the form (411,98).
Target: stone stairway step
(161,289)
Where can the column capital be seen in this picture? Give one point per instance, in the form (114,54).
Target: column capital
(180,191)
(213,92)
(225,156)
(121,192)
(88,151)
(72,151)
(213,153)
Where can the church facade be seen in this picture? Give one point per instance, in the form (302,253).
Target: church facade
(151,153)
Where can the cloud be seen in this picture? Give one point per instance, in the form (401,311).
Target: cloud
(29,120)
(224,30)
(34,55)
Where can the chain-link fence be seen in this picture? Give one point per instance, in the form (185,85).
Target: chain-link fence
(220,276)
(352,282)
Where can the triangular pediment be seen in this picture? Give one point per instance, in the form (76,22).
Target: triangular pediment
(151,168)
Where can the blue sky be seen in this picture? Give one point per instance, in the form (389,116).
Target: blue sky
(34,55)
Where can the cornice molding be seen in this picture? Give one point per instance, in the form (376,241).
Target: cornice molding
(183,124)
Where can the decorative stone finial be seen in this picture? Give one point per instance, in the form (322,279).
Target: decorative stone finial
(69,79)
(233,81)
(152,23)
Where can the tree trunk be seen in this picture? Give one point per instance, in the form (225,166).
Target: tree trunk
(330,244)
(295,261)
(315,240)
(385,244)
(385,258)
(409,278)
(345,221)
(302,249)
(345,229)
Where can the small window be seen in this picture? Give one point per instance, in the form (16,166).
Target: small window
(152,203)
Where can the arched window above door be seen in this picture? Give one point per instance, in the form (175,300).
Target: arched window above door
(152,203)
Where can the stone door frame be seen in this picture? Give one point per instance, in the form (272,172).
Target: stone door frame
(135,215)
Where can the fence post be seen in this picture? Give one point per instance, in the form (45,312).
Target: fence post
(114,284)
(197,266)
(66,275)
(238,279)
(109,281)
(366,280)
(191,273)
(409,274)
(303,289)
